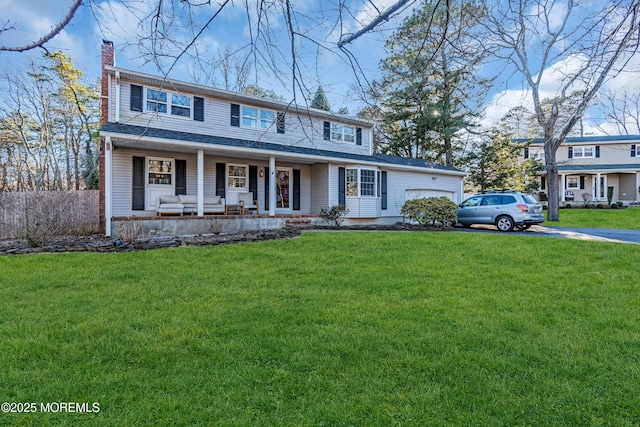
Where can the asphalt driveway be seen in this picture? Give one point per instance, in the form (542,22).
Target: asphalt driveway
(597,234)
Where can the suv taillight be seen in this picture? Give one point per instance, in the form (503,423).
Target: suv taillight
(523,208)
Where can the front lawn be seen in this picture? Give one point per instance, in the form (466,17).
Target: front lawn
(624,219)
(331,329)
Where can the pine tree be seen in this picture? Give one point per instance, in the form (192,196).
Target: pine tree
(320,100)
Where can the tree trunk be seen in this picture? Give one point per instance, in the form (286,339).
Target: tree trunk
(552,185)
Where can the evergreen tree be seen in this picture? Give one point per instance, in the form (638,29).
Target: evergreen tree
(320,100)
(430,91)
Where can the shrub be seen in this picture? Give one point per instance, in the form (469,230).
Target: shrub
(599,206)
(620,204)
(334,215)
(438,211)
(568,205)
(614,206)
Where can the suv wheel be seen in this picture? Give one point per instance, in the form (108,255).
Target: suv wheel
(504,223)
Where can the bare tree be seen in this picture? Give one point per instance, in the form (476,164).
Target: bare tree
(578,46)
(622,109)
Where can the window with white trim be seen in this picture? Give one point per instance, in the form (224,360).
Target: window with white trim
(584,151)
(537,154)
(160,101)
(343,133)
(362,182)
(572,182)
(237,176)
(352,182)
(253,117)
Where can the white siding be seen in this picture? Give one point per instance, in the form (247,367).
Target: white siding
(300,130)
(399,182)
(123,176)
(319,187)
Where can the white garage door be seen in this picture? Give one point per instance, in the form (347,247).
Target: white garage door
(419,194)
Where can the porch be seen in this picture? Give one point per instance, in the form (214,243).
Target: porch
(172,225)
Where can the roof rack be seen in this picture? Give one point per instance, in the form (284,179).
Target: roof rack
(504,190)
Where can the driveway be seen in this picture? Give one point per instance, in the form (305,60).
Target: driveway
(596,234)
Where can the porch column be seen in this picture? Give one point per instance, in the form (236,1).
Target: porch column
(200,190)
(563,183)
(272,186)
(605,189)
(108,162)
(597,198)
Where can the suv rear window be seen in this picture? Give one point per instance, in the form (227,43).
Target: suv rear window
(528,199)
(508,199)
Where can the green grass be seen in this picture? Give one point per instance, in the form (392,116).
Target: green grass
(624,219)
(331,329)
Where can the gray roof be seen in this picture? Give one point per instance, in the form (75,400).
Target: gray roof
(585,139)
(233,142)
(598,167)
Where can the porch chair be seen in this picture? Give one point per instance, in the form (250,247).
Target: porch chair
(247,202)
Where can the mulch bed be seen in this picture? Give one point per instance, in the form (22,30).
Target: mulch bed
(100,243)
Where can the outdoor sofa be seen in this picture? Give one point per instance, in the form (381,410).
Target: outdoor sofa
(188,204)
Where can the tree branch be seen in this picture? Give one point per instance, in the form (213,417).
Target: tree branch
(379,19)
(40,43)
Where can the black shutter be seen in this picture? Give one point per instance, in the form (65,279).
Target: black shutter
(543,183)
(581,182)
(280,122)
(384,190)
(137,188)
(296,189)
(358,136)
(266,188)
(571,152)
(526,152)
(135,103)
(597,151)
(181,177)
(633,150)
(253,181)
(198,108)
(220,179)
(342,200)
(327,131)
(235,115)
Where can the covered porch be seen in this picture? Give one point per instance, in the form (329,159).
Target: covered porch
(595,186)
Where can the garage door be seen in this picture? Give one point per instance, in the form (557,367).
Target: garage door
(419,194)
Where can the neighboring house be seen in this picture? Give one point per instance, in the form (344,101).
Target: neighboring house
(591,166)
(167,137)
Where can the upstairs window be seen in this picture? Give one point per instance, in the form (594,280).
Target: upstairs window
(584,151)
(342,133)
(253,117)
(160,101)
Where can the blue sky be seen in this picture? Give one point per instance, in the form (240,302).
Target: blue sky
(320,64)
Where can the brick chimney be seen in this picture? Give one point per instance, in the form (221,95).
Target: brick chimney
(108,58)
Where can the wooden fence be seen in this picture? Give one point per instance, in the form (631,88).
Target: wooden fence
(43,214)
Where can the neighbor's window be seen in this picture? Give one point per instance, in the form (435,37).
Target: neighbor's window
(237,176)
(160,101)
(585,151)
(572,182)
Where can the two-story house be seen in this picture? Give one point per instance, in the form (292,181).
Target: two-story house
(591,167)
(168,137)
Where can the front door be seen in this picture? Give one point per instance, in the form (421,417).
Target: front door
(283,189)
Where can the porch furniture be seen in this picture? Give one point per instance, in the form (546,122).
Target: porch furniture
(234,209)
(169,204)
(248,202)
(212,204)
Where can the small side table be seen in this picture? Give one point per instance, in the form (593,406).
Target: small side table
(233,209)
